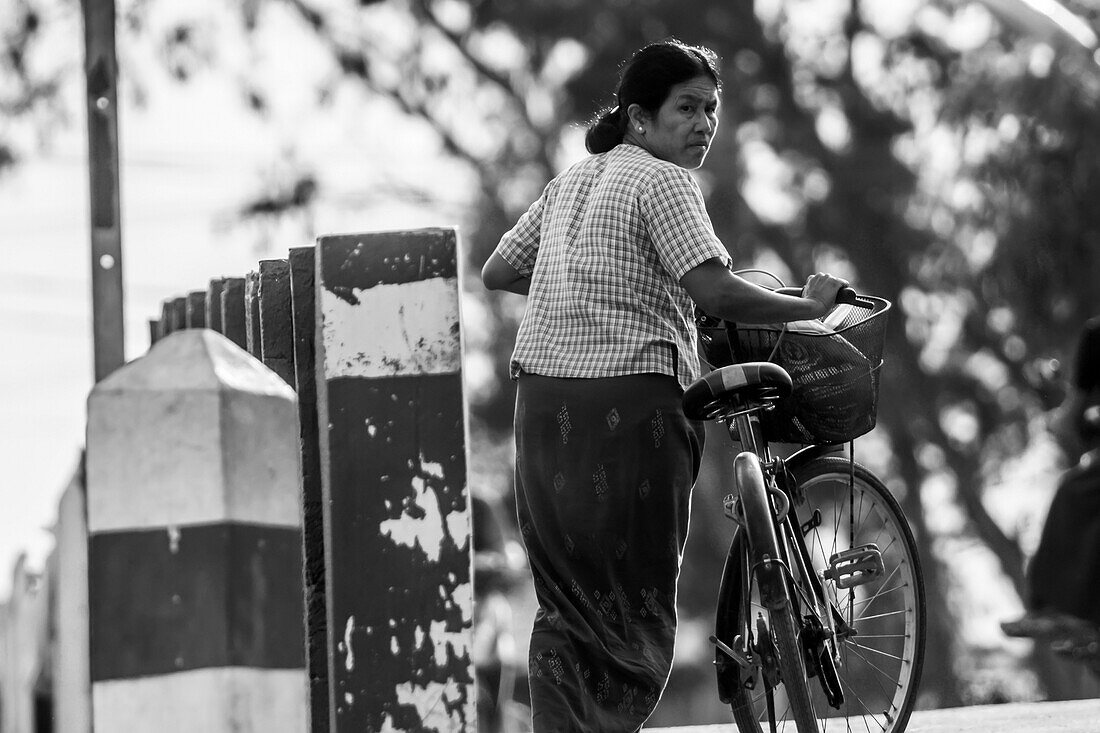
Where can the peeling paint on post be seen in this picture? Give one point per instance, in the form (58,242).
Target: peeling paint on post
(397,515)
(313,535)
(276,321)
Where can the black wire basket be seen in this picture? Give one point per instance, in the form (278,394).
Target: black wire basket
(835,373)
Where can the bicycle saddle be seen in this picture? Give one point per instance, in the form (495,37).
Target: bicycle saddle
(733,386)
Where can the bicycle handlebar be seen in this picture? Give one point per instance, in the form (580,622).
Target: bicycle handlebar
(844,296)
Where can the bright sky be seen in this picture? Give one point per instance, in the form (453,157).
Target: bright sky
(187,165)
(172,193)
(45,310)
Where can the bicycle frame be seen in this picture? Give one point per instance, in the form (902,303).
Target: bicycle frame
(744,426)
(819,538)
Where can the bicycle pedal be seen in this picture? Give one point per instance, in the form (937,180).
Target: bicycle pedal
(854,567)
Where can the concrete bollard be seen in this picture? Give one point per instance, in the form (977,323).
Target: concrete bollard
(194,556)
(397,514)
(234,322)
(173,316)
(252,314)
(196,309)
(179,313)
(23,653)
(304,319)
(214,304)
(69,587)
(275,318)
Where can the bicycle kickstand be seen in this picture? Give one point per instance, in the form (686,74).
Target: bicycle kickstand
(742,661)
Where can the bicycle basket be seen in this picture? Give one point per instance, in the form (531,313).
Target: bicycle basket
(835,372)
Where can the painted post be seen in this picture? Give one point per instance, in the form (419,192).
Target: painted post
(390,403)
(234,323)
(214,305)
(301,264)
(72,688)
(179,313)
(275,318)
(23,639)
(164,323)
(173,316)
(194,555)
(252,313)
(196,309)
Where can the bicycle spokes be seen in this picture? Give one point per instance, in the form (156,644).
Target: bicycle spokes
(863,548)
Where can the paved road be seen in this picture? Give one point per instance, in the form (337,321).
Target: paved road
(1078,716)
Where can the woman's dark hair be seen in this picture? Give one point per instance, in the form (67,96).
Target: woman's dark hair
(646,81)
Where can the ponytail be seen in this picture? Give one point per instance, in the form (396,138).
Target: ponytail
(606,131)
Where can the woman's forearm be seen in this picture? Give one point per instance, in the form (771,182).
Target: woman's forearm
(497,274)
(748,303)
(723,294)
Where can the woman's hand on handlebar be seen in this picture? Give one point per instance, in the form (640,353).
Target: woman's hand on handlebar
(823,289)
(726,295)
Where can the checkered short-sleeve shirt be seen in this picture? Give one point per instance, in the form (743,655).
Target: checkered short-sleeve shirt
(605,247)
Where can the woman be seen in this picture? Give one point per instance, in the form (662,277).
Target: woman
(612,256)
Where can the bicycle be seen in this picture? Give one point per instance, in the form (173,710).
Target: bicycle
(821,610)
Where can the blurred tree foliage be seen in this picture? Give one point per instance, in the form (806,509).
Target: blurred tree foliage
(29,96)
(929,153)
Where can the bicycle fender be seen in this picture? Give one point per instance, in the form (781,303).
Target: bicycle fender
(803,456)
(725,625)
(760,528)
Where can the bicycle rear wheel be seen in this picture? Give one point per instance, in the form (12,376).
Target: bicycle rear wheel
(880,660)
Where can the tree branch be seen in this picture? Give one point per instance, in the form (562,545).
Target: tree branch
(355,62)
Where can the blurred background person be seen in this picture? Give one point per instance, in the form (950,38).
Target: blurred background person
(1063,578)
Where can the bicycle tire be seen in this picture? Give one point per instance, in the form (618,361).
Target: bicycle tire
(772,580)
(880,694)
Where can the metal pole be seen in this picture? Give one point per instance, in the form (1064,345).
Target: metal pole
(101,72)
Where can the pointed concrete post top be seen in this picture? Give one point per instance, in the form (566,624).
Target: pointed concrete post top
(197,430)
(195,359)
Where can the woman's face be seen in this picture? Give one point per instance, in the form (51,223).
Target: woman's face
(684,126)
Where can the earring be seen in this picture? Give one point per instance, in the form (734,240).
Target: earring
(641,129)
